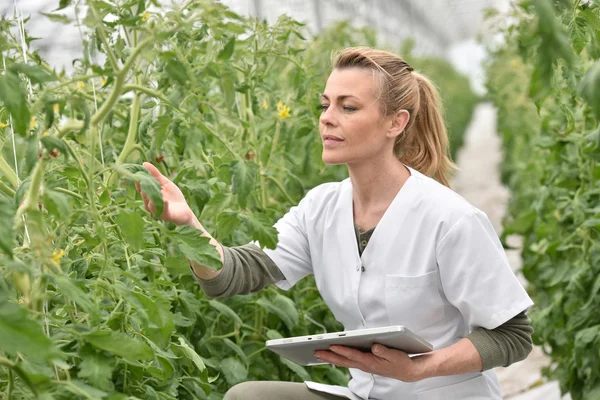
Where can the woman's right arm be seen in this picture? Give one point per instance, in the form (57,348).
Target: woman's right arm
(177,210)
(245,269)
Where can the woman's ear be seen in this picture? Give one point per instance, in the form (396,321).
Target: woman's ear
(399,123)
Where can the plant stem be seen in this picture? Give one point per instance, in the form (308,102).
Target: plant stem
(70,125)
(273,143)
(11,383)
(6,189)
(112,58)
(68,192)
(133,127)
(149,92)
(281,188)
(14,367)
(8,172)
(119,83)
(31,199)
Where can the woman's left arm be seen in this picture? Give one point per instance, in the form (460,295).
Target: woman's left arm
(483,349)
(460,358)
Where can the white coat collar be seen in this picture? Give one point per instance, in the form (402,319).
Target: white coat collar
(389,221)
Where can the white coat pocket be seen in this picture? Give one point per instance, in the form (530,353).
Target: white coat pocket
(472,389)
(414,301)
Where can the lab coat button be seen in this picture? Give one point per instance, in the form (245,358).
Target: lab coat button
(358,267)
(362,268)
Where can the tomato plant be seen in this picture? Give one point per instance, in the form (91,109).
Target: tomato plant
(97,299)
(544,82)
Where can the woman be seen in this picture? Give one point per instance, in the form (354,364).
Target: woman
(388,246)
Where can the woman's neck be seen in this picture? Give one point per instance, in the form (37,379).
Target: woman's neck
(375,184)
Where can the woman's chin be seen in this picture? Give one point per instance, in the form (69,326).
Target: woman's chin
(330,159)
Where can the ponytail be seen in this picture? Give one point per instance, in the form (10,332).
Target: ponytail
(424,144)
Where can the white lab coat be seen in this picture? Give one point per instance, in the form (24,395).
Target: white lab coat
(433,264)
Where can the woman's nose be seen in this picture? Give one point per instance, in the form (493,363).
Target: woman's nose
(327,117)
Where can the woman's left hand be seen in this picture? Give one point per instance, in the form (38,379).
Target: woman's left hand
(381,361)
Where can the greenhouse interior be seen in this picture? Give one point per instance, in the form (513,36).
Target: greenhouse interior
(241,199)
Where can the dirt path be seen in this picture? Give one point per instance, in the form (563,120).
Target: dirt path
(478,181)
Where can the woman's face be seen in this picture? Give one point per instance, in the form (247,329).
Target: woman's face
(352,126)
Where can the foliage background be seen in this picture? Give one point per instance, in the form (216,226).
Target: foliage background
(545,83)
(96,298)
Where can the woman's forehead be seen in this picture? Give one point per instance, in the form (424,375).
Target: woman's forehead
(351,82)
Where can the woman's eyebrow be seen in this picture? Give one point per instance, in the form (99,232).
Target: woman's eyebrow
(340,97)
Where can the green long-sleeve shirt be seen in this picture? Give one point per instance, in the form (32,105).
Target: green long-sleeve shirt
(247,269)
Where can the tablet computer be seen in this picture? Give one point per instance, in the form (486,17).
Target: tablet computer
(300,349)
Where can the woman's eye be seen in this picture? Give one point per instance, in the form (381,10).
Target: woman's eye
(349,109)
(323,107)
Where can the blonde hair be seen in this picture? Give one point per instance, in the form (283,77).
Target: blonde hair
(424,143)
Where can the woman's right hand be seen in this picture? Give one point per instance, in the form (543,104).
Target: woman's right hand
(176,209)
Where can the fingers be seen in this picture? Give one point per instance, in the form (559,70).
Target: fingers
(388,354)
(336,359)
(156,173)
(353,354)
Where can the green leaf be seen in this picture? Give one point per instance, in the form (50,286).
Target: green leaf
(227,51)
(7,215)
(35,73)
(587,336)
(244,179)
(97,369)
(64,4)
(197,247)
(273,334)
(70,291)
(579,34)
(237,349)
(290,320)
(176,70)
(287,307)
(159,325)
(233,370)
(13,97)
(51,142)
(60,18)
(58,204)
(522,224)
(161,127)
(298,369)
(261,229)
(191,354)
(151,188)
(132,228)
(121,345)
(84,391)
(177,265)
(80,106)
(226,311)
(589,87)
(19,334)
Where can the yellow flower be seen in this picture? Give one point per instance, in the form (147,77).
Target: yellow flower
(145,16)
(21,301)
(3,125)
(282,110)
(514,63)
(46,133)
(57,255)
(80,85)
(265,105)
(32,123)
(102,81)
(56,108)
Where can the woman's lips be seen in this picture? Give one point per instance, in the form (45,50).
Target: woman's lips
(331,140)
